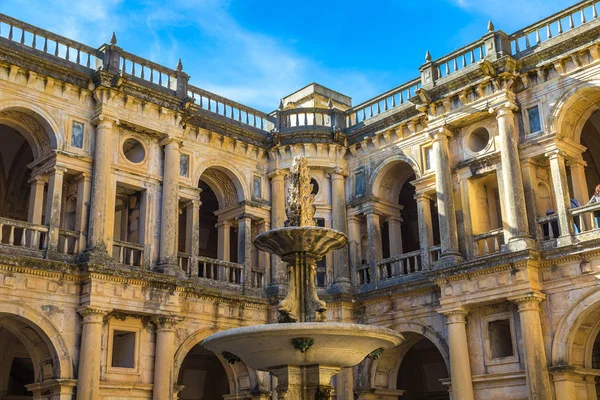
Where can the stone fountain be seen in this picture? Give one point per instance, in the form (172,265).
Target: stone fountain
(303,350)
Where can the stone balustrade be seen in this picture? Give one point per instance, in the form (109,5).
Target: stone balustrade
(23,234)
(566,20)
(460,59)
(126,253)
(488,243)
(219,270)
(148,72)
(68,242)
(403,264)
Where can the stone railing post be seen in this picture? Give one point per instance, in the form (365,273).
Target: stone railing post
(90,353)
(182,81)
(429,72)
(536,364)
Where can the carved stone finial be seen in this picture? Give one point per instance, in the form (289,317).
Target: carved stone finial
(300,210)
(330,104)
(427,56)
(491,26)
(179,65)
(113,39)
(281,104)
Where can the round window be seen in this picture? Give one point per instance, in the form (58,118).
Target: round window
(134,151)
(478,140)
(315,187)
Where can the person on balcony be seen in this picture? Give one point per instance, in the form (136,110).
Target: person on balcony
(576,219)
(596,199)
(553,224)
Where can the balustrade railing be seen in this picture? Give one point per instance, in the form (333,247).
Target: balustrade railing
(309,116)
(184,262)
(403,264)
(257,278)
(553,26)
(148,71)
(23,234)
(127,253)
(68,241)
(488,243)
(435,253)
(586,218)
(548,227)
(460,59)
(382,103)
(363,275)
(49,43)
(230,109)
(219,270)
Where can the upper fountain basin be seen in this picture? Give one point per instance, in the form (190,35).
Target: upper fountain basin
(314,240)
(334,344)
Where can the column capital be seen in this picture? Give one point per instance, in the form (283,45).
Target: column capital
(93,314)
(555,153)
(528,301)
(394,219)
(337,173)
(84,176)
(105,121)
(506,108)
(166,322)
(353,218)
(59,169)
(278,174)
(423,196)
(576,162)
(455,315)
(223,224)
(193,203)
(38,179)
(441,133)
(171,142)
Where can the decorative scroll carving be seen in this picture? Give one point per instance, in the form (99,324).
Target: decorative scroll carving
(300,210)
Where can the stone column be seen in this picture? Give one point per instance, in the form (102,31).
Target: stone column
(192,223)
(354,246)
(53,206)
(460,364)
(103,155)
(341,273)
(374,235)
(84,191)
(561,192)
(395,234)
(580,189)
(169,216)
(278,217)
(538,382)
(36,199)
(515,213)
(445,197)
(263,258)
(425,227)
(245,247)
(90,353)
(164,358)
(223,239)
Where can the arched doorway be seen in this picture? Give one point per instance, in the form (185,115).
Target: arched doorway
(590,138)
(203,376)
(421,372)
(15,154)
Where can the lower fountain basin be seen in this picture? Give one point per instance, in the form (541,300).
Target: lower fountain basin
(314,240)
(335,344)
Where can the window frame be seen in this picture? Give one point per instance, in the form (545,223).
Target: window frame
(528,122)
(112,327)
(84,142)
(485,324)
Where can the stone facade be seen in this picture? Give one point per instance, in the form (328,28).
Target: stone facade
(129,200)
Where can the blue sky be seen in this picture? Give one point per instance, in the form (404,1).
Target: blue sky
(256,52)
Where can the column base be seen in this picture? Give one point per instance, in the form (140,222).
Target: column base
(304,382)
(97,255)
(171,269)
(564,240)
(519,243)
(341,285)
(450,258)
(379,394)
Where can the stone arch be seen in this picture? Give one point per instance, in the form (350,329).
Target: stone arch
(225,180)
(240,377)
(571,111)
(382,373)
(379,174)
(37,126)
(576,332)
(42,339)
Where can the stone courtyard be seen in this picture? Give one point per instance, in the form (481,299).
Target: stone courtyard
(129,200)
